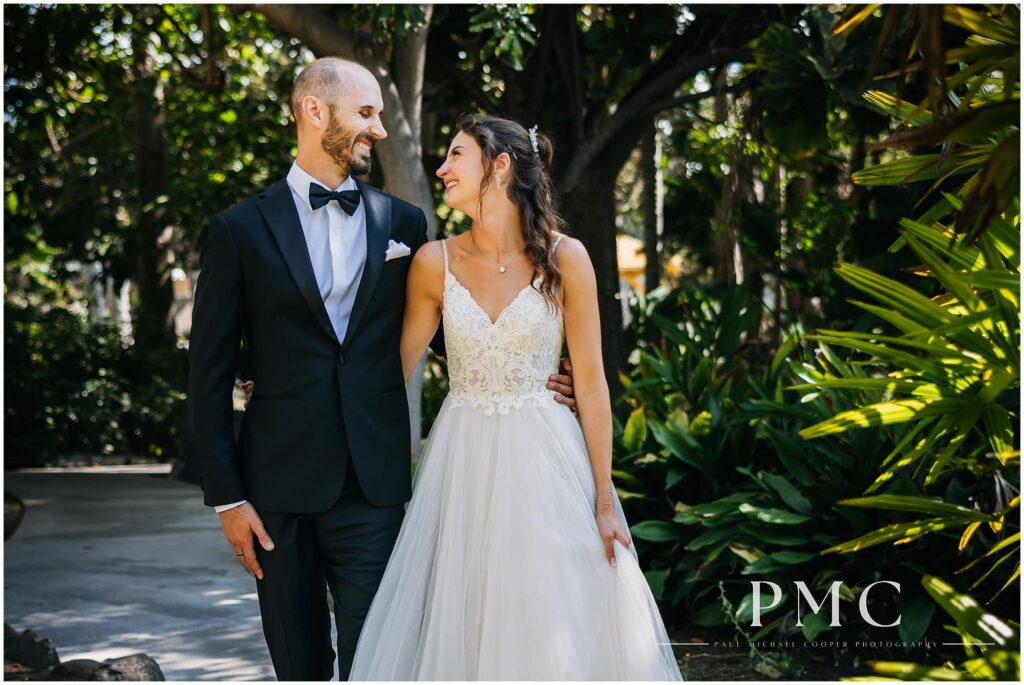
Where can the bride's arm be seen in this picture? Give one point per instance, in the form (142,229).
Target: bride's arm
(583,336)
(423,291)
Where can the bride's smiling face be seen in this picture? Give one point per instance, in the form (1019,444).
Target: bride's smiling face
(462,174)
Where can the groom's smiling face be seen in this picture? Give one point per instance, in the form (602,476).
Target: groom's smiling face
(353,123)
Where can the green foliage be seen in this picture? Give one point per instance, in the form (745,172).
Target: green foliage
(793,95)
(719,486)
(991,643)
(950,370)
(75,387)
(386,22)
(72,197)
(505,30)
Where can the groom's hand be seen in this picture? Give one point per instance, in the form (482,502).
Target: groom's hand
(561,383)
(247,388)
(240,524)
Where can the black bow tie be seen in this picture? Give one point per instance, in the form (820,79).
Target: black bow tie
(319,196)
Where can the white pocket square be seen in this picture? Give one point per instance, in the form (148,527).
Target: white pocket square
(396,250)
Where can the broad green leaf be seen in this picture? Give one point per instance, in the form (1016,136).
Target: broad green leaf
(862,15)
(980,24)
(887,385)
(916,613)
(999,429)
(635,432)
(655,531)
(962,257)
(768,515)
(898,670)
(881,414)
(919,168)
(904,299)
(788,493)
(1004,282)
(893,317)
(896,531)
(923,505)
(656,581)
(680,444)
(887,104)
(815,624)
(949,278)
(969,615)
(711,537)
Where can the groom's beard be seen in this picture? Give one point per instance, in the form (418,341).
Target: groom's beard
(338,144)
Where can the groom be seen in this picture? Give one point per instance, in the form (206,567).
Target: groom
(312,272)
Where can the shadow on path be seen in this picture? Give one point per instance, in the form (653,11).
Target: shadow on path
(109,564)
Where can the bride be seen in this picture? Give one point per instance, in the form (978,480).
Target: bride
(513,561)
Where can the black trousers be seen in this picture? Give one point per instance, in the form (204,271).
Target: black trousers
(345,549)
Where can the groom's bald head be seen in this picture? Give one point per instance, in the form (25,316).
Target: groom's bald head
(337,107)
(328,78)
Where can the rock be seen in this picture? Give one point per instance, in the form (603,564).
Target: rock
(76,669)
(134,667)
(30,657)
(29,650)
(13,671)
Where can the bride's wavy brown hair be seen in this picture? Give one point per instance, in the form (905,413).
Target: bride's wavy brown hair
(528,187)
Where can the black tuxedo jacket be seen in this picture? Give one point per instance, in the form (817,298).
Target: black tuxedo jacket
(320,404)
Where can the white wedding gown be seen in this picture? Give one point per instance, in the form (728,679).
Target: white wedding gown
(499,572)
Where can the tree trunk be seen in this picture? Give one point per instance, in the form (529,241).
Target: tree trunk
(654,220)
(727,244)
(153,316)
(408,62)
(590,212)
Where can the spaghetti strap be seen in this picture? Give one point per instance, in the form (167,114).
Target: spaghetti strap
(447,273)
(557,240)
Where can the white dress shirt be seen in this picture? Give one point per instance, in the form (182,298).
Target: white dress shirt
(337,250)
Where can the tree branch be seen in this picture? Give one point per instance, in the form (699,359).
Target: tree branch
(152,27)
(319,32)
(638,104)
(181,32)
(662,105)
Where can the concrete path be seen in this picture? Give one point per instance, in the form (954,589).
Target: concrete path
(108,564)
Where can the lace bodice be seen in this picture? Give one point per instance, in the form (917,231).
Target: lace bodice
(502,365)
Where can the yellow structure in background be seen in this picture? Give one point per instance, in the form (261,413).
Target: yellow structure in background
(632,263)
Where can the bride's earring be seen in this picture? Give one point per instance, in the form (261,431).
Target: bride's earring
(497,180)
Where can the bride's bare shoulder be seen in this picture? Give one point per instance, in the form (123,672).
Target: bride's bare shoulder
(430,255)
(427,269)
(570,254)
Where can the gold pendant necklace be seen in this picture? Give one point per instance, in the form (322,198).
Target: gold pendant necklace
(502,268)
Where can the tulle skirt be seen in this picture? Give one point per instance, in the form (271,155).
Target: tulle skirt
(499,572)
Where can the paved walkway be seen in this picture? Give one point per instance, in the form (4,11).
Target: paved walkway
(109,564)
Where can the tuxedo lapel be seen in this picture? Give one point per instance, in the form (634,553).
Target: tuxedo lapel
(378,232)
(278,208)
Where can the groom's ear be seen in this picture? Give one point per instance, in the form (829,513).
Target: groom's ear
(314,111)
